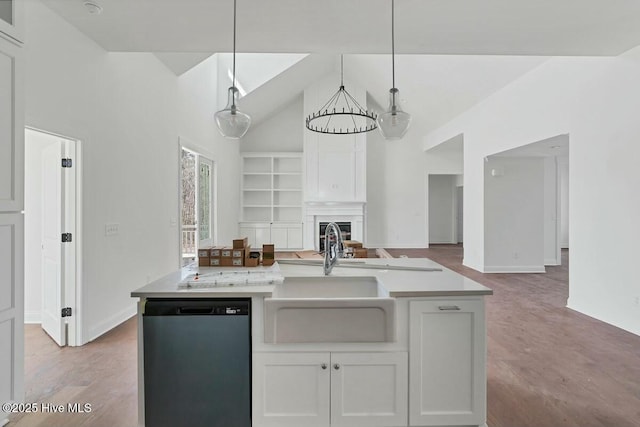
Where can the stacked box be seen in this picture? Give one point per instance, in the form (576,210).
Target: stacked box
(226,258)
(239,256)
(268,255)
(241,243)
(351,244)
(203,257)
(214,256)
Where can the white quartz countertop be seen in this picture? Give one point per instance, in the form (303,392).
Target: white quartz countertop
(399,283)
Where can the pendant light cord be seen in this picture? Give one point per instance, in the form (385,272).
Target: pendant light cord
(341,71)
(234,43)
(393,47)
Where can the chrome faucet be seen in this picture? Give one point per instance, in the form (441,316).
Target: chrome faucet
(332,247)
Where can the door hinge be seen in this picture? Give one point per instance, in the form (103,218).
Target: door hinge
(67,237)
(66,312)
(67,163)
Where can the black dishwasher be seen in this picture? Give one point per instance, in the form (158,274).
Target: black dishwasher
(197,362)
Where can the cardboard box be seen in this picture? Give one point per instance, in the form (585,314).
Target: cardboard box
(204,253)
(237,262)
(226,252)
(361,253)
(351,244)
(203,261)
(214,262)
(226,262)
(241,243)
(268,254)
(215,251)
(253,260)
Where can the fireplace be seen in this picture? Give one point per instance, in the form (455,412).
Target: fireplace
(345,230)
(318,214)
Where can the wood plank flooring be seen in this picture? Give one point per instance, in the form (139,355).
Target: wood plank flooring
(548,366)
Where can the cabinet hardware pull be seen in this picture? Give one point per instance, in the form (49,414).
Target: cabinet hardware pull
(323,366)
(448,307)
(336,366)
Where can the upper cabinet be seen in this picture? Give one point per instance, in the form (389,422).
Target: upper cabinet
(12,19)
(11,126)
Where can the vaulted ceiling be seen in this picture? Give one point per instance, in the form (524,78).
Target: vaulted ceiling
(451,53)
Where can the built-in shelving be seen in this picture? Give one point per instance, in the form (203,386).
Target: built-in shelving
(272,194)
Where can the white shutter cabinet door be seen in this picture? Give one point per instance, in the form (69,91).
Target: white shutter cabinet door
(11,128)
(291,389)
(447,347)
(11,308)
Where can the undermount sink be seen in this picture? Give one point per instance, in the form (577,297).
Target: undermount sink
(329,309)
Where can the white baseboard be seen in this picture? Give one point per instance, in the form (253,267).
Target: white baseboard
(400,246)
(514,269)
(626,327)
(4,422)
(552,261)
(478,268)
(110,323)
(32,317)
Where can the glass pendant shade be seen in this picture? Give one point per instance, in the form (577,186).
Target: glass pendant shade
(233,124)
(394,122)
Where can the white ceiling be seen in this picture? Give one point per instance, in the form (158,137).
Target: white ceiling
(497,27)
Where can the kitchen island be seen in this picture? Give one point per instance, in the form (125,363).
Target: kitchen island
(370,346)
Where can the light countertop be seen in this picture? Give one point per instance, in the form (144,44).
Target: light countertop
(399,283)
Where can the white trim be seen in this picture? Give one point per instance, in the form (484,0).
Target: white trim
(551,262)
(111,322)
(33,317)
(514,269)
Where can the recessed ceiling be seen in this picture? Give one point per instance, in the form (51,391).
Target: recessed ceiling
(497,27)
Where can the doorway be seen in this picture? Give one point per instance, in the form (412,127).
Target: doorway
(52,235)
(197,202)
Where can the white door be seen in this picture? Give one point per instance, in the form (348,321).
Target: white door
(369,389)
(204,202)
(291,390)
(52,251)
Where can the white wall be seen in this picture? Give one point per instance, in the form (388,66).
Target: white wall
(563,176)
(551,209)
(514,220)
(595,101)
(35,142)
(442,205)
(396,193)
(282,132)
(128,110)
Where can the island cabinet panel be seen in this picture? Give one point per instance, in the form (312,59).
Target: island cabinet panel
(330,389)
(291,389)
(369,389)
(447,351)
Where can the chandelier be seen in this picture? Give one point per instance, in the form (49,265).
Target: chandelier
(342,114)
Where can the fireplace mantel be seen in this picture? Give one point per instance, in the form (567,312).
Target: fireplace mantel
(327,211)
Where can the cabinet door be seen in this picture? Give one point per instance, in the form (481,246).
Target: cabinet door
(11,128)
(369,389)
(447,362)
(263,235)
(294,237)
(291,389)
(11,308)
(279,236)
(12,18)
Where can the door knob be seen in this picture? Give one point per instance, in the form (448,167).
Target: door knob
(323,366)
(336,366)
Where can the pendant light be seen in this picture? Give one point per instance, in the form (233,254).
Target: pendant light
(232,123)
(341,114)
(394,122)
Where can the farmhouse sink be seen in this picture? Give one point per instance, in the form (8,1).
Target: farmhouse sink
(329,309)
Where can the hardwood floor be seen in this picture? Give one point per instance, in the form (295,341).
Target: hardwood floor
(548,366)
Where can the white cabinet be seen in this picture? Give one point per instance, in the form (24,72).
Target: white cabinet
(11,218)
(282,235)
(272,199)
(447,362)
(11,127)
(329,389)
(369,389)
(11,19)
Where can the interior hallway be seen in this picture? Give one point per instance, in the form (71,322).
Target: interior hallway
(548,366)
